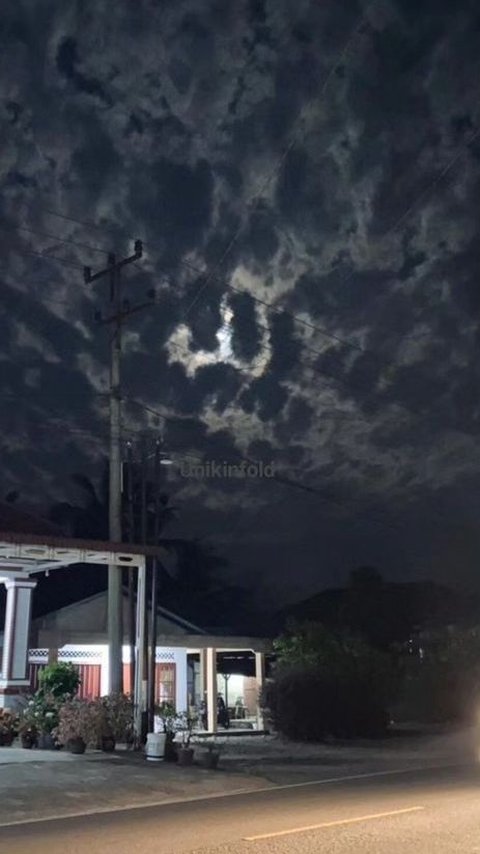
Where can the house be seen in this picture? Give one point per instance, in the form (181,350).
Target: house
(187,657)
(78,633)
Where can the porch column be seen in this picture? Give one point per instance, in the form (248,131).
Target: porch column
(14,678)
(202,676)
(140,689)
(212,689)
(260,679)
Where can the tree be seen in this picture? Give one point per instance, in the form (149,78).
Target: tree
(89,519)
(366,579)
(328,684)
(191,581)
(443,685)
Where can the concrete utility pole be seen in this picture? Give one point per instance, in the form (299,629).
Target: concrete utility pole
(115,603)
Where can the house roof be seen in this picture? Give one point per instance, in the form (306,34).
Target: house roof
(169,616)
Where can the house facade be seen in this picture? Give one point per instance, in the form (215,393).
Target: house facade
(77,634)
(186,656)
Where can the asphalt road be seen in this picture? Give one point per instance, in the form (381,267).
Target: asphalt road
(413,813)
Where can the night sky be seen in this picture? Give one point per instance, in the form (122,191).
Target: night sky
(305,177)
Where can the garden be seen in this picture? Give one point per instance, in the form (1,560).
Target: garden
(55,718)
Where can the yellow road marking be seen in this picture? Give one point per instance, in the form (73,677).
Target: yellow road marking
(331,824)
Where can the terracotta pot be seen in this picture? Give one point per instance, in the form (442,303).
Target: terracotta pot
(185,756)
(76,745)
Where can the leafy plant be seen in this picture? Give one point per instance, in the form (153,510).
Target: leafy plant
(118,718)
(59,679)
(168,716)
(9,723)
(41,713)
(83,719)
(186,723)
(328,685)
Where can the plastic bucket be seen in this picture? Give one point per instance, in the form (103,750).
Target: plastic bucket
(155,747)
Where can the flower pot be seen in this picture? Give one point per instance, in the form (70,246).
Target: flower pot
(6,739)
(46,741)
(185,756)
(108,743)
(28,740)
(76,745)
(210,759)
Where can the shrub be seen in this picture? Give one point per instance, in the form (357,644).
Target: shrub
(60,680)
(168,716)
(41,713)
(118,716)
(326,685)
(9,723)
(80,719)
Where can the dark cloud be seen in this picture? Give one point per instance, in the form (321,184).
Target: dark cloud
(67,64)
(175,200)
(243,142)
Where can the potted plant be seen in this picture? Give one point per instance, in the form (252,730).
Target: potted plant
(59,680)
(168,719)
(8,727)
(185,725)
(40,716)
(211,755)
(28,735)
(117,720)
(80,724)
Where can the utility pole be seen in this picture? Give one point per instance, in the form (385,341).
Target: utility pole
(143,653)
(131,579)
(115,603)
(154,597)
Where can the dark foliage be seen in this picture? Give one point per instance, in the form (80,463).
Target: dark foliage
(328,685)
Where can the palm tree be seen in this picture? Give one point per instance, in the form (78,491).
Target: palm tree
(89,519)
(191,580)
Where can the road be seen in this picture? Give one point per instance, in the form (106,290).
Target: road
(417,812)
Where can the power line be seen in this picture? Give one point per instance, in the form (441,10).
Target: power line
(44,257)
(283,480)
(259,193)
(281,310)
(54,237)
(277,310)
(269,351)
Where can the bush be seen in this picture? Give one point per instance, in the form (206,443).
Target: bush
(80,719)
(41,713)
(325,685)
(60,680)
(118,716)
